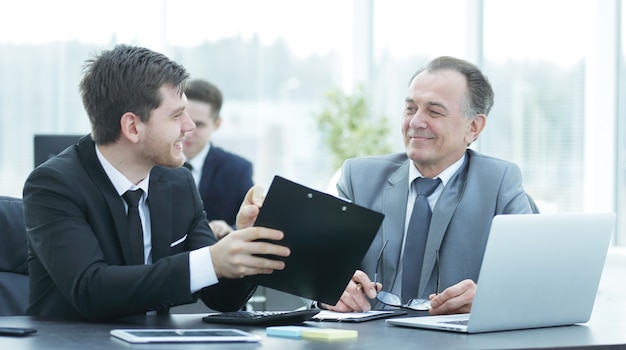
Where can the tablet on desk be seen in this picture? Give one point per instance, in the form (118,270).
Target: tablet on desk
(183,335)
(328,237)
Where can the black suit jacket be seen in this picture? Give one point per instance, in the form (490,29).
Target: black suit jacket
(225,180)
(79,250)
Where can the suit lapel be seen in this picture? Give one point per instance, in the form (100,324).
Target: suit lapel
(395,196)
(442,214)
(87,155)
(159,202)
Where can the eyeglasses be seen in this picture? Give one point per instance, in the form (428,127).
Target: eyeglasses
(391,299)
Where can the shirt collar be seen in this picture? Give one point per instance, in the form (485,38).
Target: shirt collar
(119,181)
(445,175)
(198,161)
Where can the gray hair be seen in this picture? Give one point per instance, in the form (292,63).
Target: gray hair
(481,96)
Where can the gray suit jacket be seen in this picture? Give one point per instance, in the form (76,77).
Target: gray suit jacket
(482,188)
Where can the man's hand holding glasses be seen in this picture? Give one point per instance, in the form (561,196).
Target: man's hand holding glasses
(453,300)
(456,299)
(356,297)
(395,300)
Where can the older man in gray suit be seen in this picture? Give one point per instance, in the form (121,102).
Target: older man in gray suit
(445,111)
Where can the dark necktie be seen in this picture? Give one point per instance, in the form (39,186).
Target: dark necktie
(188,166)
(135,230)
(416,236)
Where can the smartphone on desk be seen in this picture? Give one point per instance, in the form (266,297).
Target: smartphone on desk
(184,335)
(16,331)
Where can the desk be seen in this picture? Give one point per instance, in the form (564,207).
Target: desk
(607,329)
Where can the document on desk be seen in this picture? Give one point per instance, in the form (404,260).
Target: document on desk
(326,315)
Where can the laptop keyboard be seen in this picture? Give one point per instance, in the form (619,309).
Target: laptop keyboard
(262,318)
(459,322)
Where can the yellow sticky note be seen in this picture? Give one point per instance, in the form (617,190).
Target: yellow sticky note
(329,334)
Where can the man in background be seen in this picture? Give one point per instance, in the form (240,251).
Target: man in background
(222,177)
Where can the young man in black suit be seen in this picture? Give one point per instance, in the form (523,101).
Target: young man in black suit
(223,178)
(81,259)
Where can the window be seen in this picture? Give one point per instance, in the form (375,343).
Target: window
(538,74)
(273,61)
(556,67)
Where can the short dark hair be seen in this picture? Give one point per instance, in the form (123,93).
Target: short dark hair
(202,90)
(125,79)
(481,94)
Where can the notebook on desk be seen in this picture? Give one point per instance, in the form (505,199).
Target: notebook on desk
(328,238)
(538,271)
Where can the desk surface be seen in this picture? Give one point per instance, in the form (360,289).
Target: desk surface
(607,327)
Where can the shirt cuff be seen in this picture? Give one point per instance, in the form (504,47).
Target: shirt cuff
(201,271)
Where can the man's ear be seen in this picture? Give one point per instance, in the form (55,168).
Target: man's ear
(217,123)
(475,127)
(131,126)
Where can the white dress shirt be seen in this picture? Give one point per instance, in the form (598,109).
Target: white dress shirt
(201,270)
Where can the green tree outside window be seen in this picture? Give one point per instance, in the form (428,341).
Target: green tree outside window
(348,129)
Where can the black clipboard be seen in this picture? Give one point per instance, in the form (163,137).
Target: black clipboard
(328,237)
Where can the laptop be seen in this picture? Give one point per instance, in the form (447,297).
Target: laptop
(328,237)
(538,270)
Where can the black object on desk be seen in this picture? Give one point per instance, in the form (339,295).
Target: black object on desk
(16,331)
(262,318)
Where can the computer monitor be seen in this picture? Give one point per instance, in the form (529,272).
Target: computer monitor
(49,145)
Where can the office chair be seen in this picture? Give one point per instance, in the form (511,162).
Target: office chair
(13,256)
